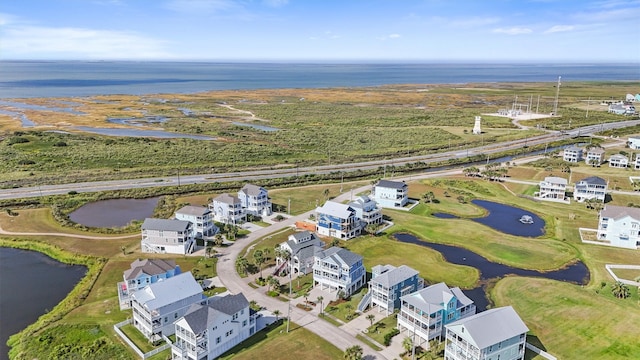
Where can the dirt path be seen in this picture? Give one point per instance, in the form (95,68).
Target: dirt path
(246,112)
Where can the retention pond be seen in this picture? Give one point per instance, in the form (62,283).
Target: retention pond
(114,212)
(577,273)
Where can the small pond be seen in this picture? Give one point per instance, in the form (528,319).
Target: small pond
(505,218)
(577,273)
(114,212)
(141,133)
(31,283)
(138,121)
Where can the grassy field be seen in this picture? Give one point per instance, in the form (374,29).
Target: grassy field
(298,344)
(330,126)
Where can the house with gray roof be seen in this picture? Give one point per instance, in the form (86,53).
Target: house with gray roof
(391,194)
(200,217)
(573,154)
(143,272)
(255,200)
(592,187)
(492,334)
(389,284)
(208,330)
(618,161)
(227,209)
(301,247)
(425,312)
(167,236)
(553,188)
(620,226)
(338,269)
(595,156)
(337,220)
(157,306)
(367,210)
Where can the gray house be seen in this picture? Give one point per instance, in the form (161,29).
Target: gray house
(493,334)
(301,246)
(167,236)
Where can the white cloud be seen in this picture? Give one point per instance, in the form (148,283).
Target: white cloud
(73,43)
(513,30)
(559,28)
(390,36)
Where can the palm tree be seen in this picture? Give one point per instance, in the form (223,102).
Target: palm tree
(353,353)
(620,290)
(325,192)
(371,317)
(349,309)
(242,263)
(124,250)
(258,257)
(335,242)
(277,313)
(275,284)
(407,344)
(306,297)
(319,299)
(217,240)
(428,197)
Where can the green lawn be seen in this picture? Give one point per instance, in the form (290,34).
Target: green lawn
(136,336)
(308,198)
(380,328)
(301,285)
(274,342)
(345,310)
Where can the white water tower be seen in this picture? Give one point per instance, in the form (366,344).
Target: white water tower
(476,126)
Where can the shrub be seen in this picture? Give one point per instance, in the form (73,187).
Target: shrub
(60,144)
(388,336)
(26,162)
(18,140)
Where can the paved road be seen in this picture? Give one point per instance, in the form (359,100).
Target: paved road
(291,170)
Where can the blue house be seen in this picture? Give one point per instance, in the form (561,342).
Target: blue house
(389,283)
(427,311)
(338,221)
(142,273)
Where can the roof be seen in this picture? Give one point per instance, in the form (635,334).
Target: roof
(168,291)
(395,276)
(194,210)
(227,199)
(165,224)
(361,201)
(391,184)
(618,157)
(339,255)
(594,180)
(491,326)
(229,304)
(595,151)
(433,298)
(618,212)
(252,190)
(555,180)
(297,246)
(333,208)
(149,267)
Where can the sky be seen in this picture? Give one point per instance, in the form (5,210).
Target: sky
(322,30)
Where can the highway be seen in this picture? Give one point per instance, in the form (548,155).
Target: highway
(290,170)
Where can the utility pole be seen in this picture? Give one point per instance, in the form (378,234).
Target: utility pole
(588,103)
(289,207)
(289,303)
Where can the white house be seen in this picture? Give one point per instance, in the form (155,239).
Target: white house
(200,217)
(389,283)
(167,236)
(301,247)
(208,330)
(426,312)
(573,154)
(255,200)
(553,188)
(492,334)
(592,187)
(159,305)
(227,209)
(595,156)
(636,162)
(338,269)
(634,143)
(143,272)
(618,161)
(337,220)
(367,210)
(391,194)
(620,226)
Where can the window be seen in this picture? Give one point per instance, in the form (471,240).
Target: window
(218,340)
(244,323)
(175,315)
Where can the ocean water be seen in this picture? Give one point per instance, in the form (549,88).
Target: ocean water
(20,79)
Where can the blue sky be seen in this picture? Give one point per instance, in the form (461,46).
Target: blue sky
(322,30)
